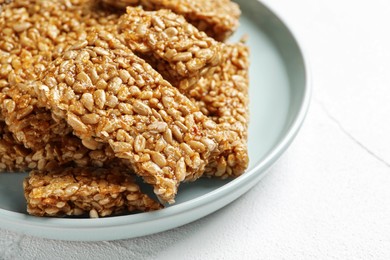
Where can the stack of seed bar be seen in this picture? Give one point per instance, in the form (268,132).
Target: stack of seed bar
(91,97)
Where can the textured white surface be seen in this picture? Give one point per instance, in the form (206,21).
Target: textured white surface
(329,195)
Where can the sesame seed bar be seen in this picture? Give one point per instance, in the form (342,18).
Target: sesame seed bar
(165,36)
(218,18)
(115,97)
(76,191)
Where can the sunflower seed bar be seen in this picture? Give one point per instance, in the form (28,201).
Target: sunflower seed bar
(26,52)
(224,98)
(218,18)
(76,191)
(165,36)
(34,33)
(112,96)
(222,93)
(29,42)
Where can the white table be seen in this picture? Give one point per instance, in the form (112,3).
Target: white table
(329,195)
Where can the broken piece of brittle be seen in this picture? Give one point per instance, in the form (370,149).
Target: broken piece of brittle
(218,18)
(185,53)
(117,98)
(76,191)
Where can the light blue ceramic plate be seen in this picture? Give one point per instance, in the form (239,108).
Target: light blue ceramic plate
(279,96)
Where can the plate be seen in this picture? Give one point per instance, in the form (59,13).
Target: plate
(279,99)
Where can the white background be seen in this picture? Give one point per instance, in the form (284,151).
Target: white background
(329,195)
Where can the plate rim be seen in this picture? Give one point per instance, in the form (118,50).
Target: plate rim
(51,224)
